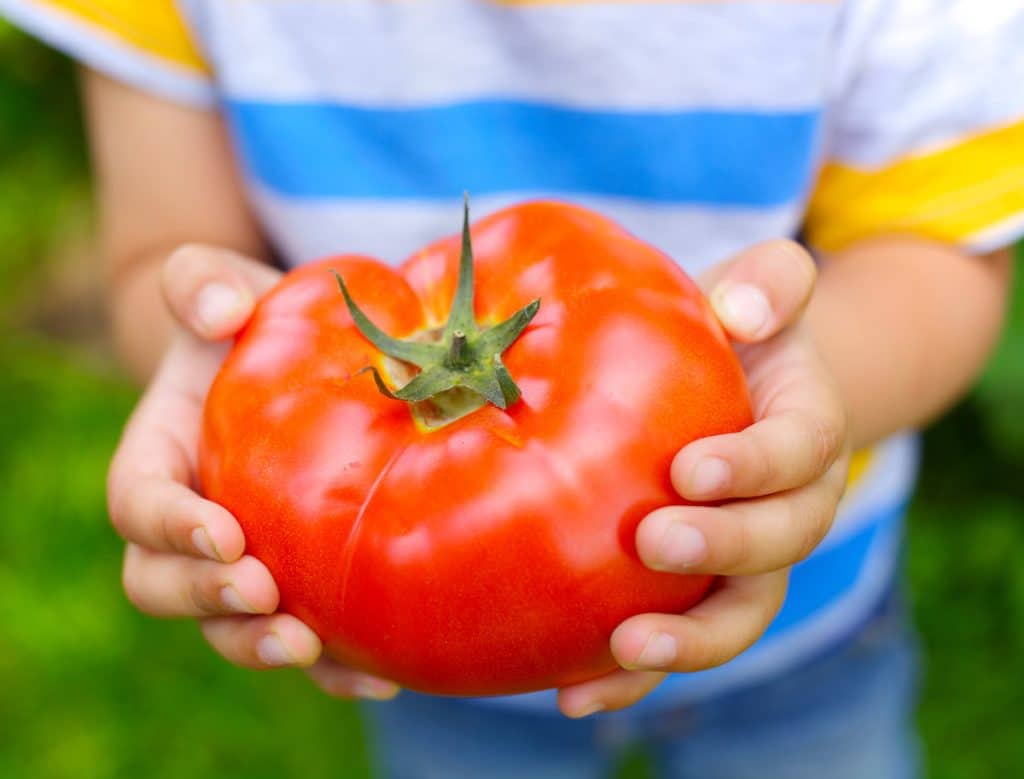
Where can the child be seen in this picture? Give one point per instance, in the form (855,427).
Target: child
(889,133)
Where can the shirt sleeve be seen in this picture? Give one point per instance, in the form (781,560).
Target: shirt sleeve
(924,134)
(145,43)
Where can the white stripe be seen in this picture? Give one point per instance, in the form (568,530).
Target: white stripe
(392,230)
(769,55)
(108,54)
(773,656)
(997,236)
(930,73)
(889,479)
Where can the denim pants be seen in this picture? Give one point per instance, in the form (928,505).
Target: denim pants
(846,715)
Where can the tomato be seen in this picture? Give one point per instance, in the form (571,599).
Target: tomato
(449,544)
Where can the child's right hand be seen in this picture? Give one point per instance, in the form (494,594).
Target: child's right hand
(185,555)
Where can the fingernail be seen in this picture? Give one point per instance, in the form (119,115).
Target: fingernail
(374,689)
(744,308)
(201,541)
(271,651)
(233,599)
(710,475)
(659,651)
(591,708)
(682,546)
(217,303)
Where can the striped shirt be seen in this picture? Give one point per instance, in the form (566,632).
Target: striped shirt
(702,126)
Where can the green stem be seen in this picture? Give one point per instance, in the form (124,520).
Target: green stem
(465,358)
(458,353)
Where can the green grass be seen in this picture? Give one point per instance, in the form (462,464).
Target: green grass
(42,156)
(89,688)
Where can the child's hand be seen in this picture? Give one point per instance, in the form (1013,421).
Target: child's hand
(184,556)
(786,473)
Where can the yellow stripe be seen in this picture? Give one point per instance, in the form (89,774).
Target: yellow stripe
(154,26)
(948,195)
(859,462)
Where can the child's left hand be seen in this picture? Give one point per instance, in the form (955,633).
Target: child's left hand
(781,478)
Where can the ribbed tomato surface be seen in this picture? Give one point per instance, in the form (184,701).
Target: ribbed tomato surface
(494,554)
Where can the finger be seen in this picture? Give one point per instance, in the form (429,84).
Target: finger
(782,451)
(212,291)
(711,633)
(170,585)
(148,497)
(166,516)
(616,690)
(742,538)
(762,290)
(778,453)
(801,428)
(277,641)
(343,682)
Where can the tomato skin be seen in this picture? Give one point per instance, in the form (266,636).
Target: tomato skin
(494,555)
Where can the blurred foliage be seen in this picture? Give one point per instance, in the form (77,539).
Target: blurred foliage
(42,156)
(89,688)
(966,567)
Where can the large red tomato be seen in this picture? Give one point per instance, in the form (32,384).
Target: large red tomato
(459,545)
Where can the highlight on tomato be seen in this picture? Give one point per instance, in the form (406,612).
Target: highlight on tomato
(443,464)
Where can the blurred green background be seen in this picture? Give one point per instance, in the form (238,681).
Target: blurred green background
(89,688)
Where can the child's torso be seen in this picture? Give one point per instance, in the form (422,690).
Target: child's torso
(360,123)
(696,125)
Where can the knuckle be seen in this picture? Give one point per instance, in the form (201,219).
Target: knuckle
(201,596)
(114,489)
(131,581)
(703,651)
(225,636)
(132,511)
(122,506)
(761,466)
(824,516)
(838,474)
(774,596)
(167,533)
(211,630)
(172,527)
(741,554)
(775,604)
(808,540)
(826,441)
(717,654)
(810,523)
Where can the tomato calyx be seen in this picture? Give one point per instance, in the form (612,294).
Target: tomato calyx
(461,370)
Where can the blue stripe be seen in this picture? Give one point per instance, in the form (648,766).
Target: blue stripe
(823,578)
(489,147)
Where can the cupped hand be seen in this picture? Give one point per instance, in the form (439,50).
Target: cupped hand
(776,486)
(185,555)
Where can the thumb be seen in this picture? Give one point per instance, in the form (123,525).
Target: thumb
(212,291)
(762,290)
